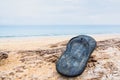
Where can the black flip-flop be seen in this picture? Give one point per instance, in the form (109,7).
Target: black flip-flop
(73,61)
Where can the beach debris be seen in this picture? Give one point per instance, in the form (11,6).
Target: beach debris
(74,60)
(3,55)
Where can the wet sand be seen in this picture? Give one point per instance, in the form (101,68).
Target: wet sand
(35,58)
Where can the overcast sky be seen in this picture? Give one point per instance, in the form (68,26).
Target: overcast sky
(59,12)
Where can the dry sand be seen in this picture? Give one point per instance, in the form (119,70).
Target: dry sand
(34,58)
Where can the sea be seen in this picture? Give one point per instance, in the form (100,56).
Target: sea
(10,31)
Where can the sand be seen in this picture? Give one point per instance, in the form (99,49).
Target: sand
(34,58)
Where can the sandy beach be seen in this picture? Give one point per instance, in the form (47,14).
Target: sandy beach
(33,58)
(33,43)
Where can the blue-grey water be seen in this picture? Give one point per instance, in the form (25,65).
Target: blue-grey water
(56,30)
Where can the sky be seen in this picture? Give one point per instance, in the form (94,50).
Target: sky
(59,12)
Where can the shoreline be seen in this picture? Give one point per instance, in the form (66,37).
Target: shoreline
(22,37)
(42,36)
(43,42)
